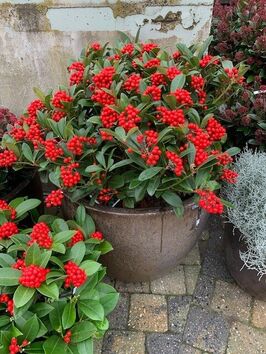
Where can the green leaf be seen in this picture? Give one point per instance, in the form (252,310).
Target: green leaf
(92,309)
(178,82)
(82,331)
(63,236)
(26,150)
(85,347)
(93,168)
(9,276)
(54,345)
(4,320)
(50,290)
(6,260)
(104,247)
(39,93)
(26,206)
(172,198)
(109,302)
(59,225)
(31,328)
(89,225)
(120,164)
(45,257)
(69,315)
(41,309)
(233,151)
(77,252)
(153,185)
(149,173)
(80,215)
(117,181)
(55,316)
(33,255)
(203,48)
(23,295)
(90,267)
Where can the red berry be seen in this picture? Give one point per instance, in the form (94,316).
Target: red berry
(210,202)
(97,235)
(215,129)
(8,229)
(67,337)
(154,92)
(78,236)
(152,63)
(5,206)
(104,78)
(175,162)
(59,97)
(33,276)
(173,118)
(54,199)
(7,158)
(75,275)
(41,235)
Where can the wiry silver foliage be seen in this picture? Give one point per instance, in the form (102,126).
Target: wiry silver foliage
(248,196)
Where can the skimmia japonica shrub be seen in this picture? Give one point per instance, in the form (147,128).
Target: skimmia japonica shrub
(239,32)
(135,127)
(52,298)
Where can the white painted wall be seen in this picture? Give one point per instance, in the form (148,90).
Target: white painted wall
(37,36)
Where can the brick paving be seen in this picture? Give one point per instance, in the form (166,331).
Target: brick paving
(196,309)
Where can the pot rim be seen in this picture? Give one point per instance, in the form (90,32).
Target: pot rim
(188,204)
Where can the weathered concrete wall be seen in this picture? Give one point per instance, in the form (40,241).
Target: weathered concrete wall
(37,36)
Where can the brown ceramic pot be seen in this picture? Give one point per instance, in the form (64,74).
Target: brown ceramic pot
(148,243)
(246,278)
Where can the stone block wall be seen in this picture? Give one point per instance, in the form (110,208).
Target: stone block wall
(38,36)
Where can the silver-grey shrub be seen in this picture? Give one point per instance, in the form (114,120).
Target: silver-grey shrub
(248,196)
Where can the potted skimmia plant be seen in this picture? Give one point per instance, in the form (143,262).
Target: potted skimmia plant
(134,139)
(52,297)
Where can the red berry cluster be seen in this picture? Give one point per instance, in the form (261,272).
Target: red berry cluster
(106,194)
(32,109)
(54,199)
(223,159)
(70,177)
(198,137)
(234,75)
(5,206)
(8,229)
(19,264)
(172,72)
(96,46)
(229,176)
(106,136)
(151,137)
(183,97)
(210,202)
(102,97)
(33,276)
(7,158)
(58,115)
(197,82)
(200,157)
(14,348)
(77,70)
(75,275)
(176,163)
(104,78)
(34,134)
(157,79)
(176,55)
(154,92)
(129,118)
(76,144)
(207,59)
(148,47)
(215,130)
(128,49)
(41,235)
(52,151)
(132,82)
(78,236)
(67,337)
(152,157)
(171,117)
(17,133)
(202,95)
(59,97)
(97,235)
(114,57)
(5,299)
(152,63)
(108,117)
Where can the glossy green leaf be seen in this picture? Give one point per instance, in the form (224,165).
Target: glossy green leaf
(23,295)
(69,315)
(9,276)
(54,345)
(92,309)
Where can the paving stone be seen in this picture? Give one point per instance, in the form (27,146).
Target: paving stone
(163,343)
(109,280)
(259,314)
(170,284)
(231,301)
(193,258)
(97,346)
(119,317)
(204,290)
(246,340)
(142,287)
(123,343)
(187,349)
(206,330)
(191,277)
(148,313)
(178,308)
(214,266)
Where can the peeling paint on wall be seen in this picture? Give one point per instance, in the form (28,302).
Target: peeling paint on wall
(38,36)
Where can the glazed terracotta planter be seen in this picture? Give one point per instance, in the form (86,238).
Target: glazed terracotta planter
(246,278)
(148,243)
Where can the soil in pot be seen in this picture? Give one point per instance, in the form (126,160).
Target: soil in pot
(148,243)
(246,278)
